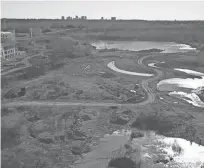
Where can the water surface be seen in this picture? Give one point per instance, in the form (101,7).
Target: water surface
(176,84)
(167,47)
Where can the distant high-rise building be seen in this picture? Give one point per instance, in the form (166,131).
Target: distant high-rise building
(83,17)
(69,18)
(62,18)
(113,18)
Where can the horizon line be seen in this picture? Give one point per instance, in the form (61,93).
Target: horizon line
(74,19)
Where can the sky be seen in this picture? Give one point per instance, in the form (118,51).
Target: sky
(146,10)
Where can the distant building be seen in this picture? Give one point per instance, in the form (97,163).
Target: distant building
(69,18)
(8,45)
(113,18)
(83,18)
(35,32)
(62,18)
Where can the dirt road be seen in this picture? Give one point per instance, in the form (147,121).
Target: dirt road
(150,98)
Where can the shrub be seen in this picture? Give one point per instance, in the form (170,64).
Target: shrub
(22,92)
(76,150)
(176,148)
(85,117)
(46,30)
(119,120)
(136,134)
(114,107)
(69,26)
(153,122)
(122,162)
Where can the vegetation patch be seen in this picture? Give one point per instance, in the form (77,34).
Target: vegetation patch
(9,137)
(119,120)
(85,117)
(154,122)
(122,162)
(15,92)
(5,111)
(136,134)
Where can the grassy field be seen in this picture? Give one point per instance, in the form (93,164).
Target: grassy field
(182,32)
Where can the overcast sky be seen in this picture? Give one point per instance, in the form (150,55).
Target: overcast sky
(148,10)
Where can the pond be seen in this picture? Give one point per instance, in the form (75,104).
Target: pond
(165,47)
(176,87)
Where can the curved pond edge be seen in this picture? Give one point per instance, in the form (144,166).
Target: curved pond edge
(112,66)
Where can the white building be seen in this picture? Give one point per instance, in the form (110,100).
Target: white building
(8,50)
(8,45)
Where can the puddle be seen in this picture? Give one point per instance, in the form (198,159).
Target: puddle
(152,65)
(112,66)
(167,47)
(176,84)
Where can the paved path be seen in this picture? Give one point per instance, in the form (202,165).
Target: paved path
(150,98)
